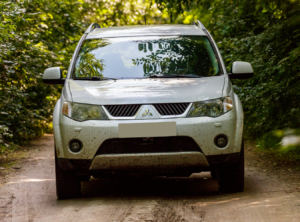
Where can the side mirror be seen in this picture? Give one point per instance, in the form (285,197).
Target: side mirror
(53,76)
(241,70)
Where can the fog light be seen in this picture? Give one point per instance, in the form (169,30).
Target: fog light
(75,146)
(221,141)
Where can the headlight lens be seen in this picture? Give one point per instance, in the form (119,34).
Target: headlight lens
(82,112)
(212,108)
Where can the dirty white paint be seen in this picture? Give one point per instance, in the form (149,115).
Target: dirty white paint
(146,91)
(202,129)
(162,161)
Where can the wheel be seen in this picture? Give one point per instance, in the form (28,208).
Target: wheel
(214,174)
(232,179)
(67,184)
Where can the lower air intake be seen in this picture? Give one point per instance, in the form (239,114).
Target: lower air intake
(148,145)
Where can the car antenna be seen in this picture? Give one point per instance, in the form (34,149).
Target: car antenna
(145,19)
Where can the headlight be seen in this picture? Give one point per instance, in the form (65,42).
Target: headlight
(82,112)
(212,108)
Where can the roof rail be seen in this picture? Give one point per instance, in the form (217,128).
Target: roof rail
(199,24)
(92,27)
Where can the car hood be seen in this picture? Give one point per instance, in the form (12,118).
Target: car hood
(146,91)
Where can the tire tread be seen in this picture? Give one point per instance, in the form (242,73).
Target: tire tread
(67,184)
(232,179)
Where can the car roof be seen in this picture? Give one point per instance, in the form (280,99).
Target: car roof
(145,30)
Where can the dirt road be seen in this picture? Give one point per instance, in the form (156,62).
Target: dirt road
(28,194)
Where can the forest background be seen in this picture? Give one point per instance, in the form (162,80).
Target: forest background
(38,34)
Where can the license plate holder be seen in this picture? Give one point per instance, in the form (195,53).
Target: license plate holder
(157,129)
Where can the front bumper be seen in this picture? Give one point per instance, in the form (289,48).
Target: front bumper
(202,130)
(144,161)
(155,162)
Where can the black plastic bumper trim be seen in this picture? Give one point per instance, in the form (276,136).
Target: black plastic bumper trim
(215,162)
(74,164)
(223,160)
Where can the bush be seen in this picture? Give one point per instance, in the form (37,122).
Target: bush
(38,34)
(266,34)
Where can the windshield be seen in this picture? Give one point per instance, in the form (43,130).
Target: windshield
(140,57)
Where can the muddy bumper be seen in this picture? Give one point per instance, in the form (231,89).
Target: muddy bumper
(165,161)
(152,161)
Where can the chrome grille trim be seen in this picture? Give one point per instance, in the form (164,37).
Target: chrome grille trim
(142,108)
(171,109)
(123,110)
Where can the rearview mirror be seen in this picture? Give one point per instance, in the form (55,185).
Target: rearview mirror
(241,70)
(53,76)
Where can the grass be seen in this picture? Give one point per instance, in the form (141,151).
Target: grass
(279,156)
(270,152)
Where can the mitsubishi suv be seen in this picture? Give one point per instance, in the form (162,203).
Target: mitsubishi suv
(151,100)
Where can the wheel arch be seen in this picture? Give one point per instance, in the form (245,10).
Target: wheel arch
(239,123)
(56,129)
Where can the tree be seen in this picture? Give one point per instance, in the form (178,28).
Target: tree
(266,34)
(38,34)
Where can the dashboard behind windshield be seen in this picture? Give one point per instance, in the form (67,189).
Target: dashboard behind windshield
(141,57)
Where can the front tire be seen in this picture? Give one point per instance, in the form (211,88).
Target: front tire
(214,174)
(67,184)
(232,179)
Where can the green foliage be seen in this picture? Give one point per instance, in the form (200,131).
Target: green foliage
(4,131)
(266,34)
(38,34)
(24,100)
(269,141)
(269,39)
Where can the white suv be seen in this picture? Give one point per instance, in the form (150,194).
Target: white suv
(153,100)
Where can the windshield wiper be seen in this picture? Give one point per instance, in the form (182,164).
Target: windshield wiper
(174,76)
(95,78)
(102,78)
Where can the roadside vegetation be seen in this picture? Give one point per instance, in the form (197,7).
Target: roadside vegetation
(266,34)
(36,35)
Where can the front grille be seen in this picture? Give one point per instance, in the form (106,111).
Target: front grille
(167,109)
(148,145)
(122,110)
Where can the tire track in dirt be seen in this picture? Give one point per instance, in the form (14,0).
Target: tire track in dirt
(267,196)
(6,201)
(181,213)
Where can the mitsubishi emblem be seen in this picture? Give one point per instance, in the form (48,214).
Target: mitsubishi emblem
(147,113)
